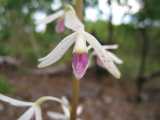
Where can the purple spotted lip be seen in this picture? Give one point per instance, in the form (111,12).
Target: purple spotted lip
(79,64)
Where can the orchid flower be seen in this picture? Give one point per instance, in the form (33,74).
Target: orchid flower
(67,15)
(66,110)
(34,110)
(83,42)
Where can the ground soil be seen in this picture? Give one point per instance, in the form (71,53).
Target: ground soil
(102,97)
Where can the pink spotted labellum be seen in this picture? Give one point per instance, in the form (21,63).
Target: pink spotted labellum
(83,42)
(79,64)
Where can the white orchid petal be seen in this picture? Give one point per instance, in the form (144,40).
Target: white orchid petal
(112,56)
(51,17)
(72,21)
(58,52)
(66,107)
(110,46)
(38,113)
(105,47)
(14,101)
(47,98)
(56,115)
(115,58)
(103,55)
(27,115)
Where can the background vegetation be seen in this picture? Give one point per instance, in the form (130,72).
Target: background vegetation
(139,40)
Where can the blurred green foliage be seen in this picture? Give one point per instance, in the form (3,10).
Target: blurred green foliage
(5,86)
(150,10)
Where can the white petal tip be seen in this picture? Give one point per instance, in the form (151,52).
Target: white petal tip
(42,65)
(119,61)
(40,59)
(115,46)
(117,76)
(39,66)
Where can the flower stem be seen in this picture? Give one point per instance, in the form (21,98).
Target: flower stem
(75,98)
(79,9)
(76,83)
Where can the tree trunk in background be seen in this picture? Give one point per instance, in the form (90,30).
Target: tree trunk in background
(144,53)
(145,49)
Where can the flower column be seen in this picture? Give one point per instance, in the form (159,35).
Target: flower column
(76,82)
